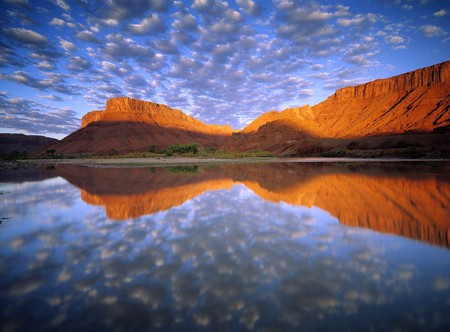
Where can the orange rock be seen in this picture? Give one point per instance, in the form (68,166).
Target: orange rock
(415,102)
(128,125)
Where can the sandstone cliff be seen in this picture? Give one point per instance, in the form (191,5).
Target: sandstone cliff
(415,102)
(128,125)
(129,109)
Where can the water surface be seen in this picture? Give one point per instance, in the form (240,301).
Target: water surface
(282,246)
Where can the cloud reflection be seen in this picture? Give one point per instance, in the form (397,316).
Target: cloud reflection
(223,260)
(415,202)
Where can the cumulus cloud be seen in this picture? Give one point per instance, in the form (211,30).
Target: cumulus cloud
(78,64)
(441,13)
(27,37)
(430,30)
(119,48)
(394,40)
(33,117)
(249,6)
(149,24)
(129,9)
(57,22)
(62,4)
(51,81)
(67,45)
(88,36)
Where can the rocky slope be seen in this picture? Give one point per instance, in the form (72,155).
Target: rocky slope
(128,125)
(24,143)
(415,102)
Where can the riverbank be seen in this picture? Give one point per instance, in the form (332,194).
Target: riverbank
(174,161)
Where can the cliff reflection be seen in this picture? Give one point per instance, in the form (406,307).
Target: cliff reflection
(407,201)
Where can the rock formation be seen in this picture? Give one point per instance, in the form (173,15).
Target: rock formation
(415,102)
(128,125)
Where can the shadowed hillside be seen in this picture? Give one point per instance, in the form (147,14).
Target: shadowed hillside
(24,143)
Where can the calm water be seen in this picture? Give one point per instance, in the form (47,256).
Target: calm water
(277,247)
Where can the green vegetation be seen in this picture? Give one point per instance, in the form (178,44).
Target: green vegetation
(188,149)
(193,150)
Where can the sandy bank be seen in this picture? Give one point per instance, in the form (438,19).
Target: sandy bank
(173,161)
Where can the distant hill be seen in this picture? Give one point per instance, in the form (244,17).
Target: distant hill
(24,143)
(392,112)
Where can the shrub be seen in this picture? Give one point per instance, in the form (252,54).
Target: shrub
(182,149)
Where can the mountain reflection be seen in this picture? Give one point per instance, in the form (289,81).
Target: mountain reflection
(409,200)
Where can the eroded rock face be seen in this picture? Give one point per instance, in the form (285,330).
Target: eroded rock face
(414,102)
(129,109)
(128,125)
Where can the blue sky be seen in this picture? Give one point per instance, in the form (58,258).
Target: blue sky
(223,62)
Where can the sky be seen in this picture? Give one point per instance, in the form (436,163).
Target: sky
(222,62)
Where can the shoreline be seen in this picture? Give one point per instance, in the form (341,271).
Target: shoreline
(174,161)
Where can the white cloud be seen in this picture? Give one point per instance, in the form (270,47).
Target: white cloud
(149,24)
(67,45)
(248,6)
(394,40)
(26,36)
(45,65)
(57,22)
(62,4)
(111,22)
(317,66)
(441,13)
(88,36)
(432,30)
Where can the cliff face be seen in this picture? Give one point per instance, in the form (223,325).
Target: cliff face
(421,78)
(414,102)
(129,109)
(128,125)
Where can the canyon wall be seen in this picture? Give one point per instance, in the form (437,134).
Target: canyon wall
(128,125)
(129,109)
(417,102)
